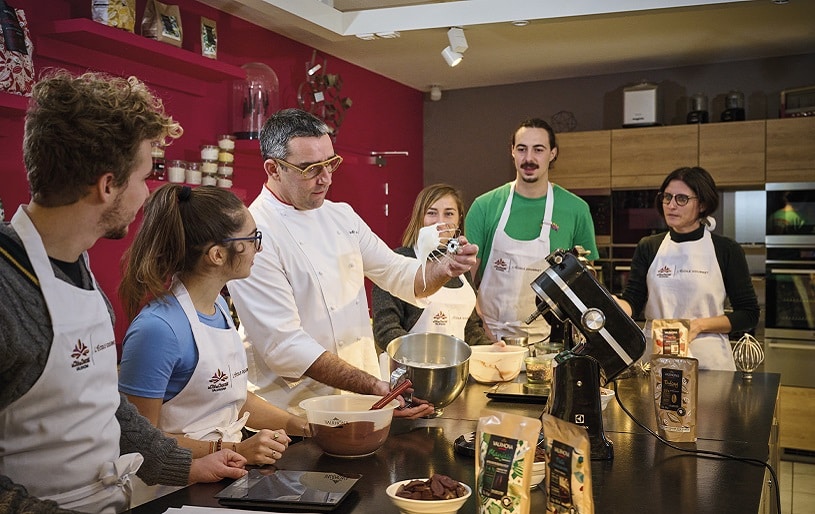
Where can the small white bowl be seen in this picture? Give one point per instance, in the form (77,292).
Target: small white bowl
(538,472)
(605,397)
(491,364)
(408,506)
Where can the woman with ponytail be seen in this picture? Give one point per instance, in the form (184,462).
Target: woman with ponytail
(183,364)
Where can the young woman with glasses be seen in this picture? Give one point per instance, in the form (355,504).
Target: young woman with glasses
(183,363)
(689,272)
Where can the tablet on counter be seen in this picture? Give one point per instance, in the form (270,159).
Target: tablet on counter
(269,489)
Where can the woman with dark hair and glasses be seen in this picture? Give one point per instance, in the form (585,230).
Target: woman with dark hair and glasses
(689,272)
(183,364)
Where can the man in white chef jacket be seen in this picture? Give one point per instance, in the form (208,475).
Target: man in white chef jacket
(67,438)
(516,226)
(303,310)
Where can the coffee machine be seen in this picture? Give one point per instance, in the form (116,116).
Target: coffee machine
(604,343)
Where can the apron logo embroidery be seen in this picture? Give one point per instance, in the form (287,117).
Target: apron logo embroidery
(80,356)
(500,265)
(440,318)
(218,382)
(665,272)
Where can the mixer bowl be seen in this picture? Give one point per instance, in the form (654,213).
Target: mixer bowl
(437,364)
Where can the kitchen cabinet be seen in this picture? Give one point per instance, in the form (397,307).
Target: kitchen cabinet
(791,150)
(797,418)
(733,152)
(584,160)
(642,157)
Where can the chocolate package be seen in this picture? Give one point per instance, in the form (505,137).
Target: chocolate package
(209,38)
(567,483)
(115,13)
(670,336)
(162,22)
(16,49)
(505,453)
(675,388)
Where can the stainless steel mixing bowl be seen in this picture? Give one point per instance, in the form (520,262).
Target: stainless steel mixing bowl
(437,364)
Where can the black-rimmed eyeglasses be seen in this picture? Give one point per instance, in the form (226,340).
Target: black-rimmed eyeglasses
(681,199)
(313,170)
(257,238)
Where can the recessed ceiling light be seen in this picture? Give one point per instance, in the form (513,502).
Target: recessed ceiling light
(388,35)
(520,23)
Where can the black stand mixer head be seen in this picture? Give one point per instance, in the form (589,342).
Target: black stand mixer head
(611,342)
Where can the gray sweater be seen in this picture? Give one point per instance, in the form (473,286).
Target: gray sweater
(25,342)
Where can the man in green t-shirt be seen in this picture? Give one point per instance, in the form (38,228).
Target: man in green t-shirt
(516,226)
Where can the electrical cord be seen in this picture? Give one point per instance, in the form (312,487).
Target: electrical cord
(706,453)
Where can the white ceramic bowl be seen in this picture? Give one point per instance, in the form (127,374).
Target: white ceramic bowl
(344,426)
(490,364)
(407,506)
(538,473)
(605,397)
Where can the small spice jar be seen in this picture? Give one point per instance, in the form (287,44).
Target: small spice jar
(209,179)
(226,142)
(224,171)
(193,175)
(209,167)
(177,171)
(156,150)
(209,153)
(225,157)
(224,182)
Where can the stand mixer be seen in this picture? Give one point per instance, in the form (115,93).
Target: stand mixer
(605,343)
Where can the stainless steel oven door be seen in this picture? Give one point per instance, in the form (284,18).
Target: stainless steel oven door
(789,335)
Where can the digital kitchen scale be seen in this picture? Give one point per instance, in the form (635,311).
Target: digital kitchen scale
(272,489)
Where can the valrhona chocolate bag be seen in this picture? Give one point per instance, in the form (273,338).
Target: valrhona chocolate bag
(16,49)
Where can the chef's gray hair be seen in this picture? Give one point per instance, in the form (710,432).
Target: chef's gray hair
(285,125)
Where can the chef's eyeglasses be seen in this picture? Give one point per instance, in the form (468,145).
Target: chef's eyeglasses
(681,199)
(257,238)
(313,170)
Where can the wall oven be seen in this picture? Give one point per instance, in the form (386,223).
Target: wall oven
(789,335)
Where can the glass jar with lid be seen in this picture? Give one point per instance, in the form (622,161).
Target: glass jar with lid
(209,153)
(193,175)
(254,99)
(208,179)
(176,171)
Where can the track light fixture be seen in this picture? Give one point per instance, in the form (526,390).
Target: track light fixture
(458,45)
(452,57)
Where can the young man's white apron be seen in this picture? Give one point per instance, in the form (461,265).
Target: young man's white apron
(62,441)
(685,282)
(208,407)
(505,297)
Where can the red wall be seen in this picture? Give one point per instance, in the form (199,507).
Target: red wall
(385,116)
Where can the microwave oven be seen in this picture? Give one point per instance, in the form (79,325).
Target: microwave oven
(797,102)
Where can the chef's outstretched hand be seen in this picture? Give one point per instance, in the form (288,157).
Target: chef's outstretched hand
(216,466)
(462,260)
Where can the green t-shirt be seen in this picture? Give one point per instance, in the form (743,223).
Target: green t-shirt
(571,221)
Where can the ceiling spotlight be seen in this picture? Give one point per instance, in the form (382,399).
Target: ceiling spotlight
(520,23)
(367,36)
(458,43)
(388,35)
(451,56)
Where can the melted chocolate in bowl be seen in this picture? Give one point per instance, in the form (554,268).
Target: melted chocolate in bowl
(353,439)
